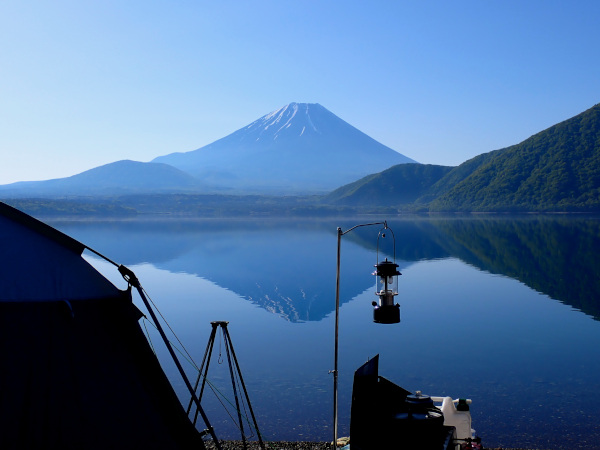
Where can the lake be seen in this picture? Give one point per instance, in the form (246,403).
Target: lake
(503,311)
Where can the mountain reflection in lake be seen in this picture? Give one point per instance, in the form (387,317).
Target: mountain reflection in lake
(503,311)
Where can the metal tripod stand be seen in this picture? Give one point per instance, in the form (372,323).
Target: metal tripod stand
(204,371)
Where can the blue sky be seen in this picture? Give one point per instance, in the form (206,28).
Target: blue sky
(85,83)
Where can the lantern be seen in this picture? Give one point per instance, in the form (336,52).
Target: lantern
(386,289)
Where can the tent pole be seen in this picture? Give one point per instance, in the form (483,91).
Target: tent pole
(132,279)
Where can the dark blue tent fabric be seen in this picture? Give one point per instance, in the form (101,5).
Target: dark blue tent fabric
(40,263)
(76,371)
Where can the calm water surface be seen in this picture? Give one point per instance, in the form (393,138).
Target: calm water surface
(502,311)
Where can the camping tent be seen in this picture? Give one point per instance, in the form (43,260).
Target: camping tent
(76,371)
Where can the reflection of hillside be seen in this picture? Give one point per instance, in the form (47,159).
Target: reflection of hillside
(416,239)
(288,266)
(555,256)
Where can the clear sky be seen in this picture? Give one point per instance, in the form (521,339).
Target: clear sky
(85,83)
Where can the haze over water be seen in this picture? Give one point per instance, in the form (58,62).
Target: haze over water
(502,311)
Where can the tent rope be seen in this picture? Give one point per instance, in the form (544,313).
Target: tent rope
(148,337)
(169,326)
(132,280)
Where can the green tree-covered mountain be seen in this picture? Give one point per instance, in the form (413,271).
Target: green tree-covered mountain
(557,169)
(399,185)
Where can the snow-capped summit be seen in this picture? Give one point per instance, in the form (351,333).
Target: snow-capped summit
(293,119)
(301,147)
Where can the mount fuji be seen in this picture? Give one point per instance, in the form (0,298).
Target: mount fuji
(299,148)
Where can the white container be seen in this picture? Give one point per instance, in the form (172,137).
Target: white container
(461,420)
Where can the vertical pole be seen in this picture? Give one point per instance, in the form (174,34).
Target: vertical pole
(337,324)
(340,233)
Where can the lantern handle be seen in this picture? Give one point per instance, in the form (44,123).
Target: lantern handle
(382,234)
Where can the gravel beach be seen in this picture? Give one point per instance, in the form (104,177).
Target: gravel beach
(282,445)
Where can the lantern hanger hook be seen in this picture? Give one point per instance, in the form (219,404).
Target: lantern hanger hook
(341,233)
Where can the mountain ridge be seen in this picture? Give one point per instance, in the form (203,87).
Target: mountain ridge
(116,178)
(554,170)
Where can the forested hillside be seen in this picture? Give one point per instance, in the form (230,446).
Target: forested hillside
(399,185)
(557,169)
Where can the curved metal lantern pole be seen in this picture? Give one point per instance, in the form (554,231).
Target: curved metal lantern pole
(340,233)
